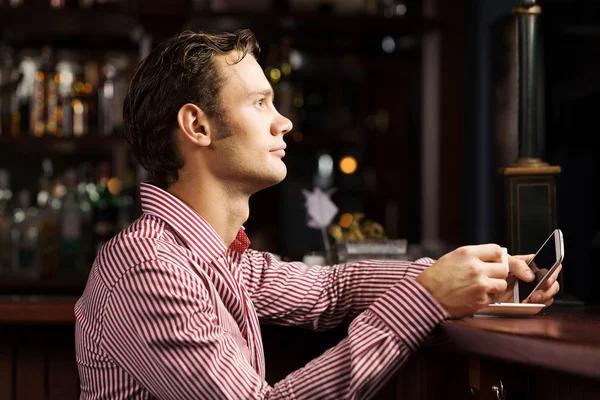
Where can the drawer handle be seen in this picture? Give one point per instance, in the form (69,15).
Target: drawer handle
(499,390)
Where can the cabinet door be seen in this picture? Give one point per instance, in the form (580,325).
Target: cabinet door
(430,374)
(556,386)
(495,380)
(38,362)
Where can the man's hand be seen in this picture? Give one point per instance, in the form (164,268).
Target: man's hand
(519,269)
(466,279)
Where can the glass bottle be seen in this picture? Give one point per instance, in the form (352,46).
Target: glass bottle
(25,236)
(127,209)
(57,3)
(49,204)
(70,225)
(105,207)
(85,190)
(22,103)
(91,74)
(106,95)
(7,88)
(43,112)
(80,106)
(65,72)
(6,248)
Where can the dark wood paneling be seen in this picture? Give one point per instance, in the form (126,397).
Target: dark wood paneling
(37,309)
(29,368)
(62,374)
(38,362)
(555,355)
(551,386)
(6,368)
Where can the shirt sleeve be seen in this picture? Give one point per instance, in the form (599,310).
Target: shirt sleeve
(319,297)
(160,327)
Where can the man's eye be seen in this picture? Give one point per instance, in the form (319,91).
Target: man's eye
(261,102)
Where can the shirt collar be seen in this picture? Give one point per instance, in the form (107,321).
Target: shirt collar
(191,227)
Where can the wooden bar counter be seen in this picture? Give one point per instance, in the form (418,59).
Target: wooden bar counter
(554,355)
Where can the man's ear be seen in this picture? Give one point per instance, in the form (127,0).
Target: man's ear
(194,124)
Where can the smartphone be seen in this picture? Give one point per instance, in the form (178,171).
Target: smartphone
(543,264)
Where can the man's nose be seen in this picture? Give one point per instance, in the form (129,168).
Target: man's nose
(281,125)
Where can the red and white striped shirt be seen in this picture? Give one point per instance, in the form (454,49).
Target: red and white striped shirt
(169,312)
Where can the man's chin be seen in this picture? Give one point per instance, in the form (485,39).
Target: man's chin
(269,181)
(278,177)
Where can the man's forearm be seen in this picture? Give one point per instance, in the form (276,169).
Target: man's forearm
(377,276)
(379,341)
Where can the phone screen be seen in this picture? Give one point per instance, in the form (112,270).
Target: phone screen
(541,265)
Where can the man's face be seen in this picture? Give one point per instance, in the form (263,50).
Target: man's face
(247,149)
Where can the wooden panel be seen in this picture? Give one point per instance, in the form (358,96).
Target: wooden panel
(432,375)
(505,377)
(61,367)
(6,365)
(30,370)
(531,211)
(37,309)
(38,362)
(552,386)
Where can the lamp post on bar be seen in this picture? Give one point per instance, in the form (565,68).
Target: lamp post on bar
(530,182)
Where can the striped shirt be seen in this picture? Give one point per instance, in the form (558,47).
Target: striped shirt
(170,312)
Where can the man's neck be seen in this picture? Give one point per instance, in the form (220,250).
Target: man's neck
(224,209)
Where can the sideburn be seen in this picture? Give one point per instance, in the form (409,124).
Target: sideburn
(224,127)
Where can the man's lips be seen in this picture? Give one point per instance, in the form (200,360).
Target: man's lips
(280,150)
(282,147)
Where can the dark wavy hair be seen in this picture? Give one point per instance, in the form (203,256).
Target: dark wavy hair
(178,71)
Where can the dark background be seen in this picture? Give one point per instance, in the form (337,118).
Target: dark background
(366,103)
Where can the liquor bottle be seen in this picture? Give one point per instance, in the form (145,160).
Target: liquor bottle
(86,4)
(6,250)
(22,103)
(80,106)
(127,207)
(49,204)
(66,69)
(111,95)
(57,3)
(25,236)
(43,111)
(85,189)
(7,89)
(91,76)
(70,226)
(105,207)
(106,96)
(51,106)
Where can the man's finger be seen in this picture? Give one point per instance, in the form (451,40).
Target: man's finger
(520,269)
(554,277)
(542,296)
(497,286)
(526,257)
(487,252)
(495,270)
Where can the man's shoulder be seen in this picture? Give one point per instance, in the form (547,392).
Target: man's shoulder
(135,245)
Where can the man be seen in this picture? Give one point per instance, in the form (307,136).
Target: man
(172,305)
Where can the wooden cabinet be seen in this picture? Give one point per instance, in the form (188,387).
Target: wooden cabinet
(550,357)
(37,348)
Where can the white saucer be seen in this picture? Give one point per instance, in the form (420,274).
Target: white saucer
(511,309)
